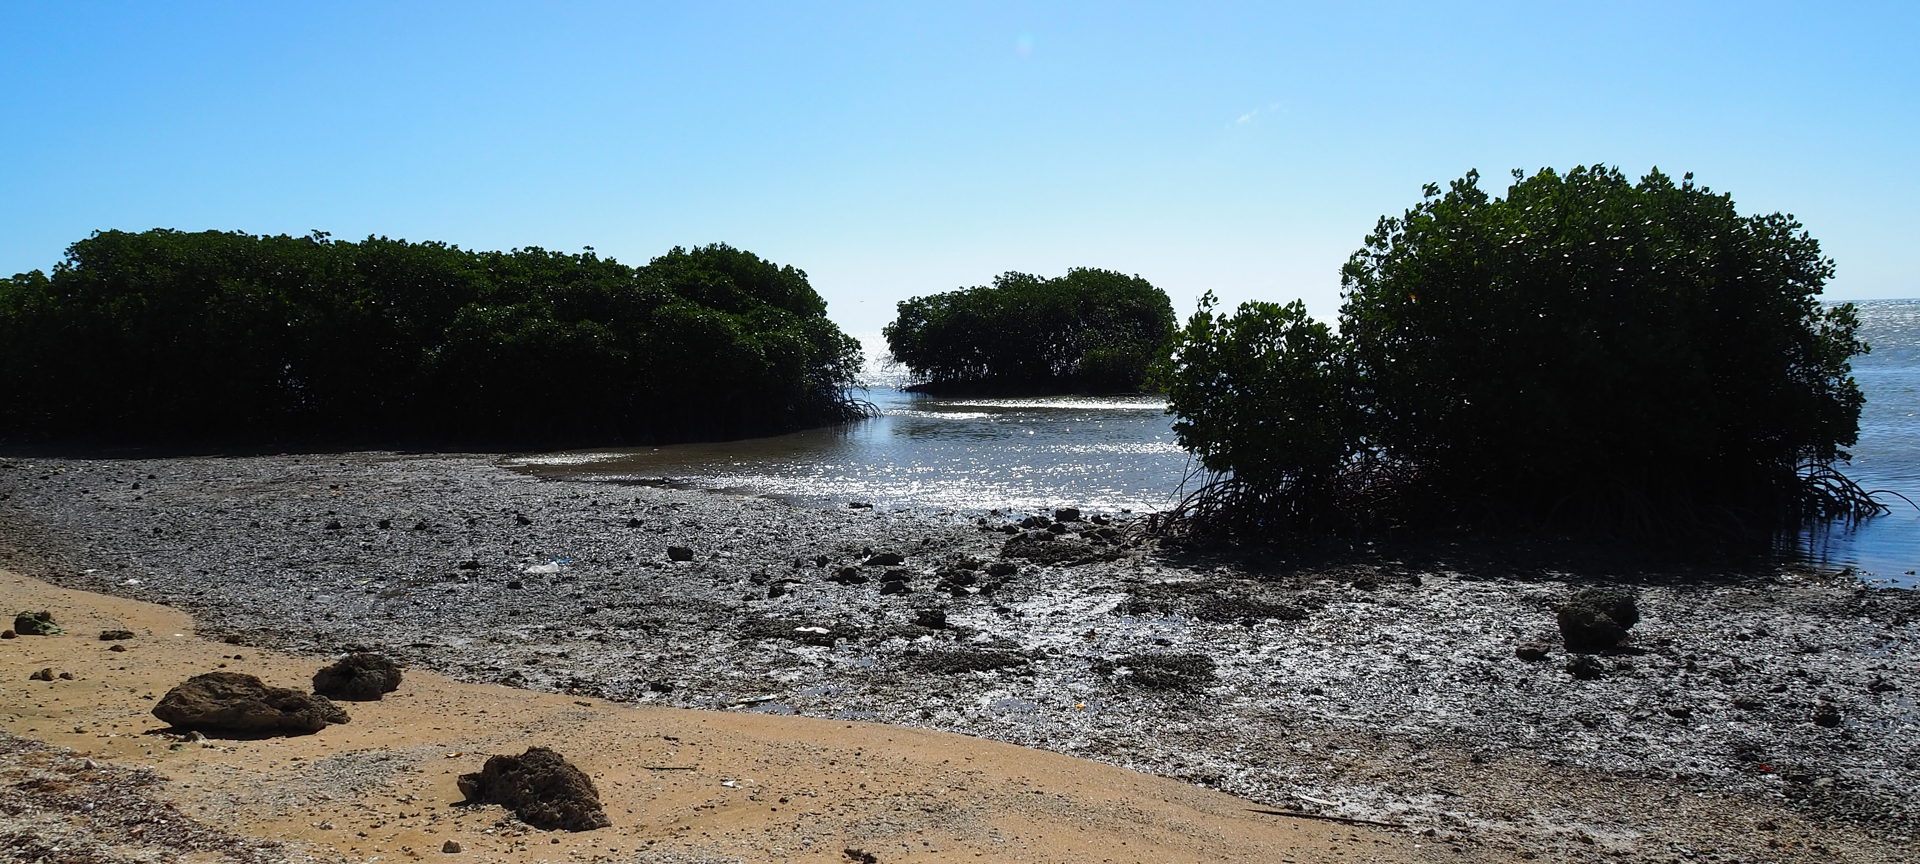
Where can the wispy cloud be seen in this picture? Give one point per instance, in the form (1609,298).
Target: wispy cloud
(1250,116)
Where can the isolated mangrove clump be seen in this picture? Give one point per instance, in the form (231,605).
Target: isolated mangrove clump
(1587,354)
(541,787)
(1093,330)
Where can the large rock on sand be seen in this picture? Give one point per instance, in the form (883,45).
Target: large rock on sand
(1597,619)
(232,703)
(541,787)
(358,677)
(36,624)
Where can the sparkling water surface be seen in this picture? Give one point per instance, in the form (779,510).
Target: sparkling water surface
(1885,550)
(1107,454)
(1116,454)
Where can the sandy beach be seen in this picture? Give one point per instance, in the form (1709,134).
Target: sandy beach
(1172,697)
(680,785)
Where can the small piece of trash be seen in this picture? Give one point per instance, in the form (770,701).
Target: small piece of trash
(756,700)
(547,568)
(820,630)
(730,784)
(131,582)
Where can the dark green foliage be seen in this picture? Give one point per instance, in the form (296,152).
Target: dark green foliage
(229,337)
(1265,397)
(1585,353)
(1089,330)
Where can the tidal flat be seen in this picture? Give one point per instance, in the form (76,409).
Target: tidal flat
(1760,714)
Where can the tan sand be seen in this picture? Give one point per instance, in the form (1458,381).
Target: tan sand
(679,785)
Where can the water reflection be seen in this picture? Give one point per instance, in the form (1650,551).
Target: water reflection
(1108,454)
(1885,550)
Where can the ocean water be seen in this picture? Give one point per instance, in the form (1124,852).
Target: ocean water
(1119,454)
(1886,549)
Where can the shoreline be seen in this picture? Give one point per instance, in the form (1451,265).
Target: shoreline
(681,785)
(1385,692)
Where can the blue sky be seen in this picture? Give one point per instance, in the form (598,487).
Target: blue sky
(896,149)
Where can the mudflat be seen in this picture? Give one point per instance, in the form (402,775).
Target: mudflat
(1763,714)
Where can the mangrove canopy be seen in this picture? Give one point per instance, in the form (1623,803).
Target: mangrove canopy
(1587,353)
(1090,330)
(228,337)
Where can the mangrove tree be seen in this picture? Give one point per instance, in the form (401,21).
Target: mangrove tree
(1090,330)
(228,337)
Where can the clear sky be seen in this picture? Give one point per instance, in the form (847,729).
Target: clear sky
(899,148)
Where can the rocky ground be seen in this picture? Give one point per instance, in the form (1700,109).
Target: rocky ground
(60,808)
(1761,715)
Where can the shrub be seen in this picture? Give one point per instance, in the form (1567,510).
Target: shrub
(1265,398)
(1090,330)
(1587,353)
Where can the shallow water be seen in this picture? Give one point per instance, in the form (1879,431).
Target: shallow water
(1106,454)
(1117,454)
(1886,550)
